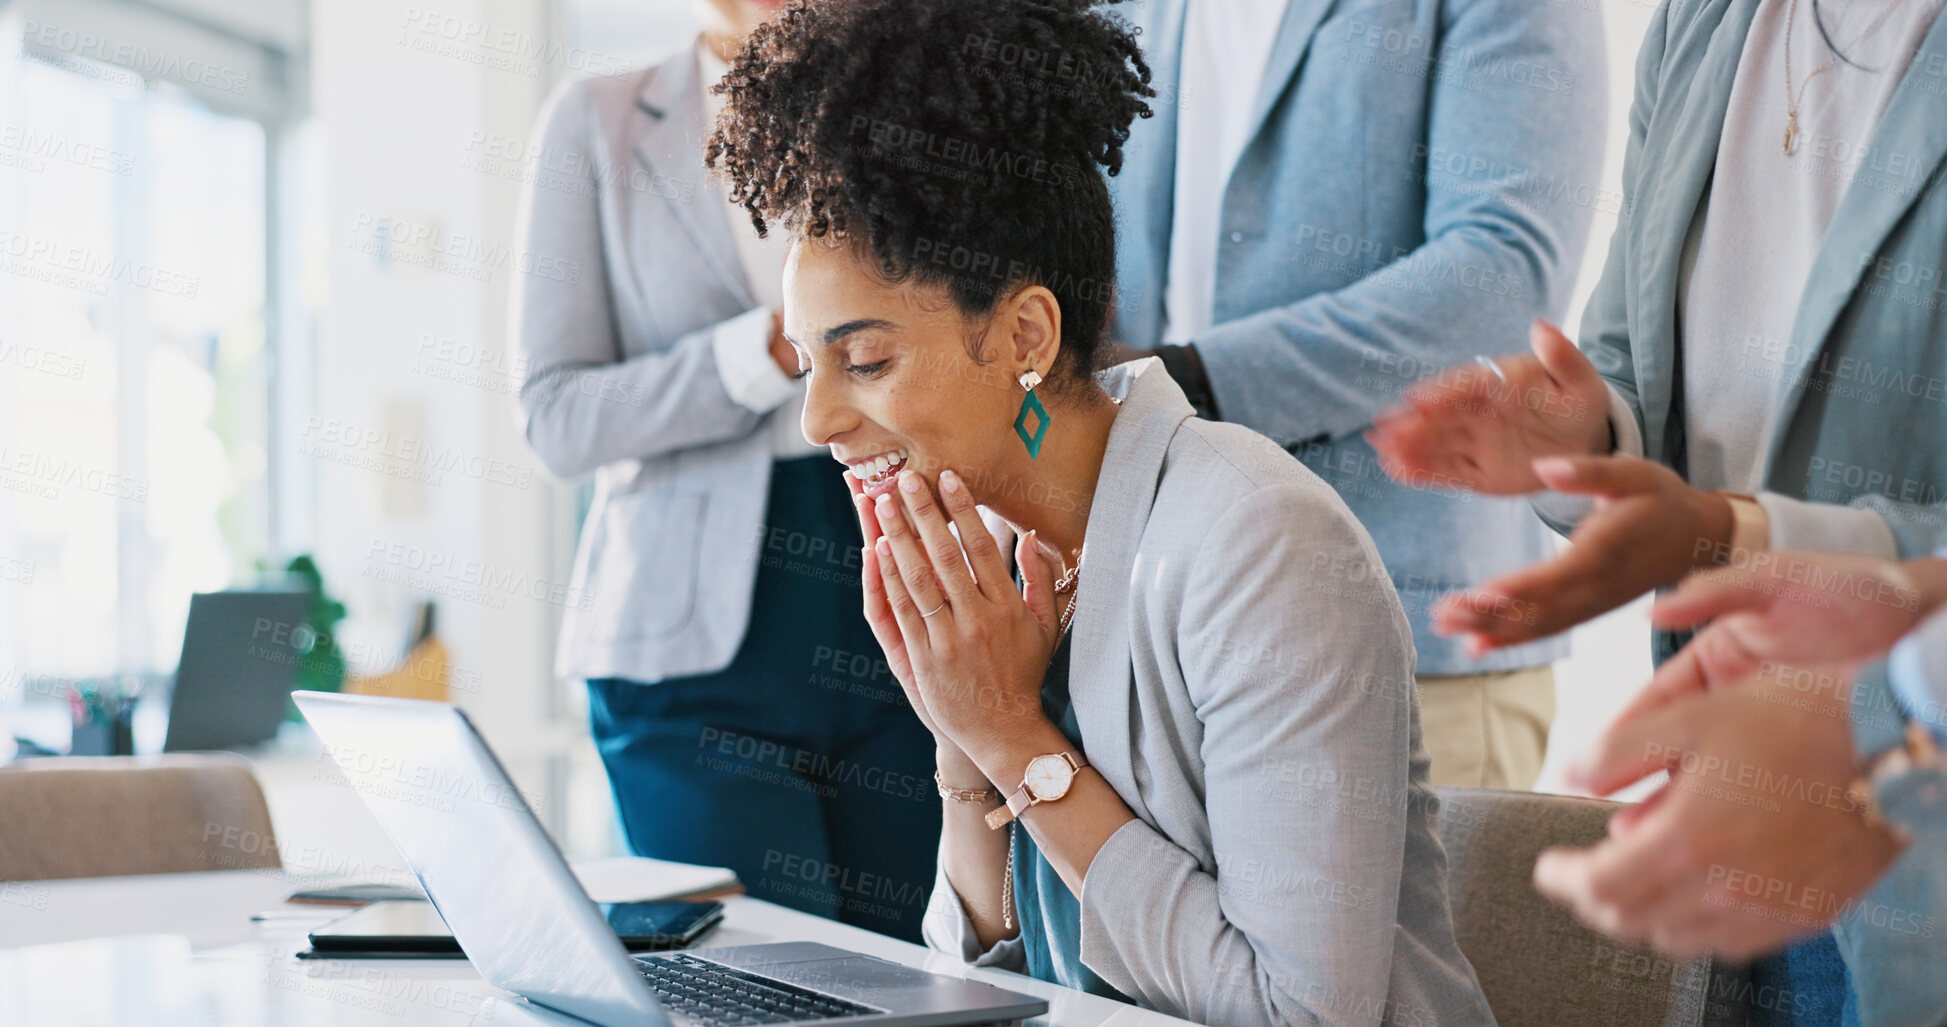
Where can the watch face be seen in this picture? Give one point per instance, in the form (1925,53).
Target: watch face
(1048,777)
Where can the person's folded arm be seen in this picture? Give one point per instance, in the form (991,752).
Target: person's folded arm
(1295,652)
(582,404)
(1500,249)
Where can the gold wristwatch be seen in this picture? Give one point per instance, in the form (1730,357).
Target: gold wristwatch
(1909,779)
(1048,777)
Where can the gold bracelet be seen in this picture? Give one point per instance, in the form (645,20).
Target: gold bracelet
(971,796)
(1007,881)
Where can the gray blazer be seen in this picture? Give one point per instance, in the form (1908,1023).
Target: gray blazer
(1242,674)
(621,380)
(1416,189)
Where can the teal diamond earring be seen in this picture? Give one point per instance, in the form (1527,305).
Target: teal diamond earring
(1031,404)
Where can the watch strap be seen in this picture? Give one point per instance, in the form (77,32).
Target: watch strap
(1022,797)
(1001,815)
(1906,786)
(1750,525)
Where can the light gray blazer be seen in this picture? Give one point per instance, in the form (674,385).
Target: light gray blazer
(620,378)
(1242,674)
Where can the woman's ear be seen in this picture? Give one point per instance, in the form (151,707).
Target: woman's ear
(1032,318)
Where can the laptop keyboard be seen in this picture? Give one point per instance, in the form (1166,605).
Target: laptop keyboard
(720,996)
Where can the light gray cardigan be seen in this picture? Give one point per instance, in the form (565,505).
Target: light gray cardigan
(1242,674)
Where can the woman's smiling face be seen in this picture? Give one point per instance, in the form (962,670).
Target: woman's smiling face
(893,384)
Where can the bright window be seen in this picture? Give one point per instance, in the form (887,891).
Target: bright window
(133,367)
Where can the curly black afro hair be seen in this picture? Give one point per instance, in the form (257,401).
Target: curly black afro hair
(959,143)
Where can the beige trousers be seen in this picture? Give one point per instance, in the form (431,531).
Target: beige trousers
(1488,730)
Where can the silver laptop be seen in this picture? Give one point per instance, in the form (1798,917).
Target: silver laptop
(524,921)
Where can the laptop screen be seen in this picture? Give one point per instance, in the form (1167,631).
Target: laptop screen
(240,657)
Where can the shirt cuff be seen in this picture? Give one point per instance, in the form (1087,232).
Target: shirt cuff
(1797,524)
(1917,672)
(1622,422)
(743,351)
(1561,508)
(947,928)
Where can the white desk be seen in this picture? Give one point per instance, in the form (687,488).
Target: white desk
(180,949)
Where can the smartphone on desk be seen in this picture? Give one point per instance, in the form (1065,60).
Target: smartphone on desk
(413,929)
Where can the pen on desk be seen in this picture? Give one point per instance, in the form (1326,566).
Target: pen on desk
(294,914)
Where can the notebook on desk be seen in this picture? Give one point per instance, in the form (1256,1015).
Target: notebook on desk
(613,879)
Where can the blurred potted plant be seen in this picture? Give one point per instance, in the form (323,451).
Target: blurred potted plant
(321,667)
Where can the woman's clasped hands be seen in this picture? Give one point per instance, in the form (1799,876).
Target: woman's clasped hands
(969,648)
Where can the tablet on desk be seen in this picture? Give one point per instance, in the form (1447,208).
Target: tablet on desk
(413,929)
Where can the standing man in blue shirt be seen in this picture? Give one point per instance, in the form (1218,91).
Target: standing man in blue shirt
(1334,200)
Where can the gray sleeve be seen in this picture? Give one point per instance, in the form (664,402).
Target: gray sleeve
(582,404)
(1294,372)
(1306,771)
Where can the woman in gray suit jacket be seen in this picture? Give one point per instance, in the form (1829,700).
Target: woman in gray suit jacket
(1179,758)
(735,692)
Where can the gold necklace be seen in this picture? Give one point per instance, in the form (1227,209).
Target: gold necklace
(1062,585)
(1067,581)
(1792,102)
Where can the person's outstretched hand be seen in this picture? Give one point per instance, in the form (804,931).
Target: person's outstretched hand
(1475,429)
(1792,606)
(1647,530)
(1756,839)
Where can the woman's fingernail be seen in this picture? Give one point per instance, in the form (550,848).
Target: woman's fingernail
(883,546)
(908,481)
(884,506)
(949,481)
(1558,465)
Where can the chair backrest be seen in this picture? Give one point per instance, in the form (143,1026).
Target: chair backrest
(1537,964)
(118,815)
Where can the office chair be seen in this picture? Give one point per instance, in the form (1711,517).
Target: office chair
(1537,964)
(119,815)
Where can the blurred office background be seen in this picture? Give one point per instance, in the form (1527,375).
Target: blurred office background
(255,261)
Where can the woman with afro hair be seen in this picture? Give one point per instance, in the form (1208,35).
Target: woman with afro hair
(1168,682)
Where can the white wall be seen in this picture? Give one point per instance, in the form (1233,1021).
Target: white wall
(1611,659)
(422,483)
